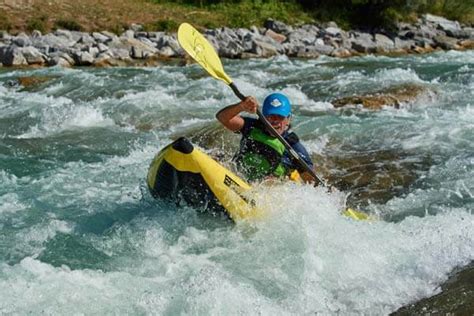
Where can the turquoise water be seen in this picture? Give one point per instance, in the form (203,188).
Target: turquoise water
(78,227)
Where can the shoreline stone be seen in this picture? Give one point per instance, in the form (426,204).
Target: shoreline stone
(72,48)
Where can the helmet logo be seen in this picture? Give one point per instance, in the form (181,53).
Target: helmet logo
(276,103)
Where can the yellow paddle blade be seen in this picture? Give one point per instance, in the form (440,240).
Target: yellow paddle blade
(358,215)
(201,51)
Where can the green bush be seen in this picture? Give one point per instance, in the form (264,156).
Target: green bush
(119,28)
(37,23)
(68,24)
(162,25)
(5,24)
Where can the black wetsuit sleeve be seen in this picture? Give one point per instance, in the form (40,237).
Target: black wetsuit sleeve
(291,163)
(249,123)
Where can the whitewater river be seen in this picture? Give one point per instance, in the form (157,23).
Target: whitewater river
(79,232)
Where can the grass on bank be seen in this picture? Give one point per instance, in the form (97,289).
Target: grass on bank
(166,15)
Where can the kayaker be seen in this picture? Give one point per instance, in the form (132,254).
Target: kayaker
(260,155)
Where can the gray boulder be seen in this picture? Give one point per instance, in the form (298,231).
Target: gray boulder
(167,42)
(424,42)
(102,47)
(143,51)
(232,50)
(111,35)
(51,43)
(83,58)
(101,38)
(92,50)
(119,53)
(302,36)
(136,27)
(322,49)
(128,34)
(403,44)
(166,51)
(136,48)
(4,36)
(247,41)
(87,39)
(452,28)
(341,52)
(36,34)
(428,31)
(310,28)
(12,56)
(242,33)
(383,44)
(33,56)
(264,49)
(155,36)
(363,43)
(307,52)
(292,49)
(147,41)
(446,42)
(332,31)
(469,31)
(21,40)
(465,33)
(277,26)
(73,36)
(60,59)
(141,34)
(277,37)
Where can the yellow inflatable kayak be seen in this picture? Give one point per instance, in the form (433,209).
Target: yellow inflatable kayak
(183,174)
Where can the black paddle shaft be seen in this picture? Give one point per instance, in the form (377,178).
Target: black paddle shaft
(274,133)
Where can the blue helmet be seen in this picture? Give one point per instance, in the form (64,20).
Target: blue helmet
(276,104)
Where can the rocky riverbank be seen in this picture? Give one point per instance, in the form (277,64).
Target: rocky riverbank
(135,46)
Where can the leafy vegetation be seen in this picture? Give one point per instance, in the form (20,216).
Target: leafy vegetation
(68,24)
(37,23)
(162,25)
(5,24)
(347,13)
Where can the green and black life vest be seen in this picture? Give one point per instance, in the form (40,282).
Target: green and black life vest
(260,155)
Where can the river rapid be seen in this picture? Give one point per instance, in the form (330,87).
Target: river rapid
(79,232)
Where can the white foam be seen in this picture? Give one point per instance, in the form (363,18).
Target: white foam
(300,98)
(395,75)
(365,267)
(8,179)
(67,118)
(157,98)
(317,145)
(188,123)
(10,203)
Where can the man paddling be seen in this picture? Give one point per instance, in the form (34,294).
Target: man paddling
(261,155)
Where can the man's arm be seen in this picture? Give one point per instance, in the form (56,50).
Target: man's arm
(229,116)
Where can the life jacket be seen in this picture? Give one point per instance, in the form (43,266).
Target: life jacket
(260,155)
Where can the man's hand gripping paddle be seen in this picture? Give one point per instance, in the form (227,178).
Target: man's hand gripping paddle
(204,54)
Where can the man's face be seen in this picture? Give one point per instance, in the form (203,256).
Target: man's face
(279,123)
